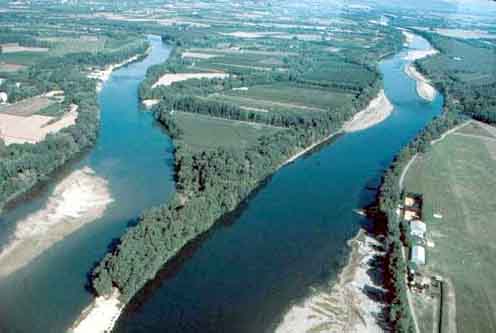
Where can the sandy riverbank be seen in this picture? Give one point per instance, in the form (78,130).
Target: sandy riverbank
(103,75)
(306,150)
(413,55)
(80,198)
(345,305)
(424,89)
(377,111)
(149,103)
(170,78)
(100,316)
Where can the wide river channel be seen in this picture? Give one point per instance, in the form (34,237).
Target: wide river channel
(243,275)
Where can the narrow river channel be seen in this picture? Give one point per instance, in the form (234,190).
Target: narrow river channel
(243,275)
(134,155)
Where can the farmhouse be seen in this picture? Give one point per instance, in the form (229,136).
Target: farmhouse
(418,229)
(417,255)
(413,207)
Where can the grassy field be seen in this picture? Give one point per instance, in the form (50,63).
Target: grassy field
(23,58)
(198,130)
(458,180)
(73,45)
(292,95)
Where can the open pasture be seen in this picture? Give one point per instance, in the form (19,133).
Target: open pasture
(458,180)
(198,130)
(23,58)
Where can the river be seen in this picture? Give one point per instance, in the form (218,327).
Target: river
(134,155)
(288,237)
(241,276)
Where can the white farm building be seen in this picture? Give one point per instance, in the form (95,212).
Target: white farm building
(417,255)
(418,228)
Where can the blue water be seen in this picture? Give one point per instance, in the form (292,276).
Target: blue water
(242,275)
(135,155)
(289,236)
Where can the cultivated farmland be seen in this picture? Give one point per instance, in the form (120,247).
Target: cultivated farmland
(205,133)
(457,178)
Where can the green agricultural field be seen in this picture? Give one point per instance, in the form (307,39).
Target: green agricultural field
(204,132)
(73,45)
(23,58)
(294,96)
(458,180)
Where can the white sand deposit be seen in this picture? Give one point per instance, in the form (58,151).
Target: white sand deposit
(424,89)
(409,37)
(80,198)
(198,55)
(377,111)
(149,103)
(343,307)
(104,74)
(100,316)
(306,150)
(413,55)
(168,79)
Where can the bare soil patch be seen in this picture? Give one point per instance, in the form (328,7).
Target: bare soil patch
(26,107)
(33,129)
(198,55)
(9,68)
(15,47)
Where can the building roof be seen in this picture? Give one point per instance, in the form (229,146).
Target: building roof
(418,227)
(417,255)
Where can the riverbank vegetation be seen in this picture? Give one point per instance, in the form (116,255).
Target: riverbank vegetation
(462,71)
(465,71)
(390,197)
(24,165)
(275,84)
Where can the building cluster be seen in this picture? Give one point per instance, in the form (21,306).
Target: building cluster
(417,229)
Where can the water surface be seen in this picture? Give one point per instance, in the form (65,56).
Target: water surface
(135,155)
(290,236)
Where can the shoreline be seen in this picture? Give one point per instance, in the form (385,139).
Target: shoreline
(343,305)
(424,89)
(103,75)
(376,112)
(100,316)
(80,198)
(103,318)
